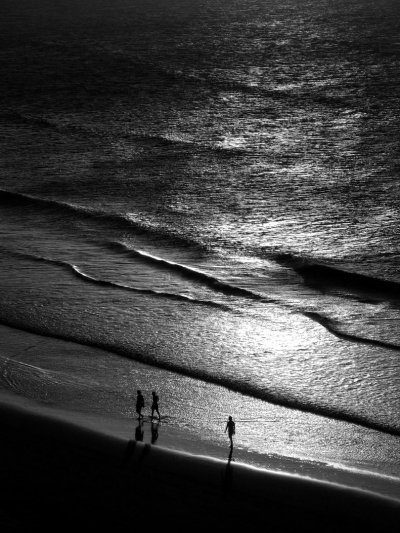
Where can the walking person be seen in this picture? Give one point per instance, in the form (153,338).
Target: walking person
(139,404)
(154,405)
(230,427)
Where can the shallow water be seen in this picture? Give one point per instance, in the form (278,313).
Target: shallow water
(97,389)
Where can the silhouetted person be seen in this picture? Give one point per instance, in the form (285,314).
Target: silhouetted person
(154,432)
(139,431)
(154,405)
(139,403)
(230,427)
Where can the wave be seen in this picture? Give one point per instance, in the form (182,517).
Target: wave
(167,145)
(325,277)
(235,385)
(322,275)
(316,275)
(191,273)
(291,95)
(43,122)
(232,290)
(165,140)
(19,118)
(149,72)
(91,279)
(186,271)
(183,145)
(249,389)
(121,221)
(18,198)
(332,328)
(298,264)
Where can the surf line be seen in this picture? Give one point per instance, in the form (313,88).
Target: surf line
(196,275)
(347,336)
(205,377)
(320,319)
(226,288)
(90,279)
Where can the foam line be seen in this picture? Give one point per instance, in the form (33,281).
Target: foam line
(91,279)
(191,273)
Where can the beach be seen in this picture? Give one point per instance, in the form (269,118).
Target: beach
(57,472)
(86,470)
(199,200)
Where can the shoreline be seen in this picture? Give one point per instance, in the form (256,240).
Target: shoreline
(65,463)
(96,389)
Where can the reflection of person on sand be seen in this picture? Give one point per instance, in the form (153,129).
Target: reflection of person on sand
(154,432)
(228,478)
(230,456)
(230,427)
(139,403)
(154,405)
(139,431)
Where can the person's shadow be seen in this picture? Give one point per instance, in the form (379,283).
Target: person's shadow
(228,475)
(139,432)
(154,432)
(230,456)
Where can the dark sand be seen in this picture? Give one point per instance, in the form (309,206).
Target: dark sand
(62,477)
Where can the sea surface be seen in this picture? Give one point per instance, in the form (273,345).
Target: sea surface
(211,188)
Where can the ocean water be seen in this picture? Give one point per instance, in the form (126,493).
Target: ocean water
(210,188)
